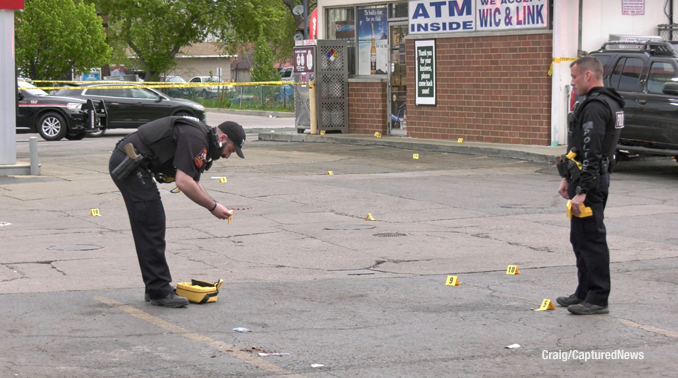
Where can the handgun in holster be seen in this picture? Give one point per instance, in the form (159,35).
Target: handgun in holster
(567,166)
(131,162)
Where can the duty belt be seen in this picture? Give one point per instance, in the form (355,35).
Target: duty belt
(569,167)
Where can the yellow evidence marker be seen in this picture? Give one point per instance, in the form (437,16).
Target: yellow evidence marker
(415,156)
(322,132)
(330,173)
(377,135)
(95,213)
(585,211)
(512,270)
(460,140)
(546,304)
(230,219)
(452,281)
(369,217)
(222,180)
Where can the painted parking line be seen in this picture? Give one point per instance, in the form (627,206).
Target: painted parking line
(649,328)
(231,350)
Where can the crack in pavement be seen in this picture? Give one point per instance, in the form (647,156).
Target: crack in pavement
(394,261)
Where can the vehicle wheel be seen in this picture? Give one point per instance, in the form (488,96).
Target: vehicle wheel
(97,132)
(205,94)
(76,136)
(52,126)
(183,114)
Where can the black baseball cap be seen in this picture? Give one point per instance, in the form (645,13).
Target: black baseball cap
(235,133)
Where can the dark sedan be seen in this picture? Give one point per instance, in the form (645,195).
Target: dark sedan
(131,105)
(55,117)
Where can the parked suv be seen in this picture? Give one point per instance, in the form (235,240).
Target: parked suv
(130,105)
(56,117)
(646,75)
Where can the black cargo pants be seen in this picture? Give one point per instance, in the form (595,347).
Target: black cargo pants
(589,242)
(147,218)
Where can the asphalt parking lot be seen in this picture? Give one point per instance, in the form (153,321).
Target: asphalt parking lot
(313,280)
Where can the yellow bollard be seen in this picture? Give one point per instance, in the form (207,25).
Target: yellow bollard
(311,96)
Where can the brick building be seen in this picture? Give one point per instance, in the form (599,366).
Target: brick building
(498,72)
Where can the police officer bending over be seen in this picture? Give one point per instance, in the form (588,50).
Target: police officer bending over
(594,130)
(167,149)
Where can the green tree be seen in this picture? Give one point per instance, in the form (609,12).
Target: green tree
(263,61)
(55,37)
(155,30)
(283,41)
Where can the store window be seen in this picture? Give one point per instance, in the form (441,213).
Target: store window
(341,25)
(366,29)
(398,10)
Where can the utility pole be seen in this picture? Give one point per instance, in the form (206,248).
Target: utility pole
(305,19)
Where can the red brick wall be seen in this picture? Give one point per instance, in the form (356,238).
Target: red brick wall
(489,89)
(367,107)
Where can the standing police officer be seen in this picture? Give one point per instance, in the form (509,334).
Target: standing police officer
(594,130)
(171,149)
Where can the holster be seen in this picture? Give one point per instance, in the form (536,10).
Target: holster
(562,170)
(131,162)
(572,169)
(567,166)
(605,165)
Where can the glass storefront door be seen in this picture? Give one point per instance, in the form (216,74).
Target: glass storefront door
(397,80)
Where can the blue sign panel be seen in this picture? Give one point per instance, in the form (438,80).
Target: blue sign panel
(441,16)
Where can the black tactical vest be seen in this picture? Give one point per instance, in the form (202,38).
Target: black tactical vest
(612,128)
(159,136)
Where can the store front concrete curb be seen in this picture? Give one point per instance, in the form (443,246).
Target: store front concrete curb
(537,154)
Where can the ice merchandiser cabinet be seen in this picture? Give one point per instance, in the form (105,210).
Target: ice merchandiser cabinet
(326,62)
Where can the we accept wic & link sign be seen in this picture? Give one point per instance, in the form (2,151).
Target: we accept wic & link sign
(476,15)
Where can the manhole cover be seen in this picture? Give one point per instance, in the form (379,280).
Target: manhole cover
(4,224)
(75,247)
(350,227)
(389,234)
(240,208)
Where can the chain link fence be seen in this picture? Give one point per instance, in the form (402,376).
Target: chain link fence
(668,32)
(267,97)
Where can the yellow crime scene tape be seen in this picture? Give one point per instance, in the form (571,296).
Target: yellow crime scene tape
(558,60)
(155,84)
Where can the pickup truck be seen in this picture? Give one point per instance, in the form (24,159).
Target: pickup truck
(646,75)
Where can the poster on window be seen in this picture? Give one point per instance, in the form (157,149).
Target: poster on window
(372,41)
